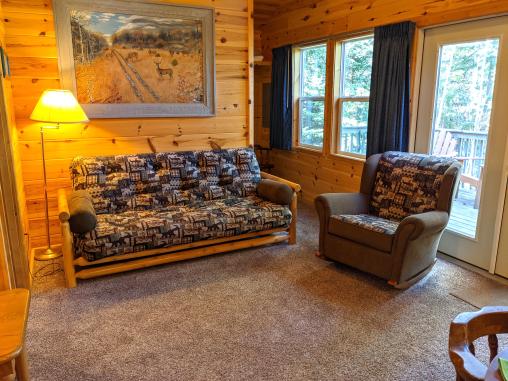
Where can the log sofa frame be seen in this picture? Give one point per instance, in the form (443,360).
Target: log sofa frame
(81,268)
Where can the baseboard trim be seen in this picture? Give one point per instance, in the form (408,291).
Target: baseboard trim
(472,268)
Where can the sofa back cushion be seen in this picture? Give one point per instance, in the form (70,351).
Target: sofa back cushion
(146,181)
(106,179)
(407,184)
(179,176)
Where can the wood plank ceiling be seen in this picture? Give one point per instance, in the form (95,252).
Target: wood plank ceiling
(266,9)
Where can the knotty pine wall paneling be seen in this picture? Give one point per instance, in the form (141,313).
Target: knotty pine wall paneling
(20,211)
(307,20)
(31,44)
(262,76)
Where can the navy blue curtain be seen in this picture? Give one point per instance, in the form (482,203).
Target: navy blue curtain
(281,110)
(388,128)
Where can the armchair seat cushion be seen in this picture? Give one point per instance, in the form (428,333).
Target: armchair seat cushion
(138,230)
(366,229)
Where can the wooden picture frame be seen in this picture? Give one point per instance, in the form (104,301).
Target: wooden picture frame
(6,69)
(192,92)
(2,58)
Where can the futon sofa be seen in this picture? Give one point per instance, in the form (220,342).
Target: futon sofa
(392,227)
(133,211)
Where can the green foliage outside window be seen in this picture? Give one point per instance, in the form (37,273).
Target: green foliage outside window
(466,78)
(357,67)
(356,64)
(313,64)
(355,83)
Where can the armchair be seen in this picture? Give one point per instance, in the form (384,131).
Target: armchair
(392,227)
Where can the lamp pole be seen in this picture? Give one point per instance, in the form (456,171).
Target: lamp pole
(54,106)
(49,253)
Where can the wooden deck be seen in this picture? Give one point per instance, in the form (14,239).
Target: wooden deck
(464,216)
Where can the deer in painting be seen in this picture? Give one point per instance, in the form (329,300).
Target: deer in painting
(162,71)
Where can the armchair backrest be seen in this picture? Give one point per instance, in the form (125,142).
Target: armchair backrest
(146,181)
(401,184)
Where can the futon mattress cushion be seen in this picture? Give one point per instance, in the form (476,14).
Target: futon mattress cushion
(133,231)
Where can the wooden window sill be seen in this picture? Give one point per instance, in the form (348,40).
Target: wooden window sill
(315,151)
(344,156)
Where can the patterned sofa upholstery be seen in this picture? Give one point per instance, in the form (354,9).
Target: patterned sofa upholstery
(392,227)
(152,201)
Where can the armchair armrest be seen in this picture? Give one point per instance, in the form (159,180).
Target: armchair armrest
(328,204)
(424,223)
(63,207)
(296,187)
(414,247)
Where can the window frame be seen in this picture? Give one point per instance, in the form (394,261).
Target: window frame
(299,99)
(339,99)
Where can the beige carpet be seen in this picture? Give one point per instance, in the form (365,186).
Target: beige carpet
(272,313)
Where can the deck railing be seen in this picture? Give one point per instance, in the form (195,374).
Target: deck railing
(470,147)
(353,139)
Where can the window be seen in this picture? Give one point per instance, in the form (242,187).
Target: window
(347,110)
(353,66)
(311,95)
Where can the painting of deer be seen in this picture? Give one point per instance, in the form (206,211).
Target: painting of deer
(164,71)
(162,58)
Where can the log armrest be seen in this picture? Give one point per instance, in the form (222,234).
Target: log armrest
(424,223)
(293,206)
(67,247)
(296,187)
(63,207)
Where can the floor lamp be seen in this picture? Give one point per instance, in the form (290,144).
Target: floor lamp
(54,107)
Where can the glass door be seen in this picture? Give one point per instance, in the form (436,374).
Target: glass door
(462,113)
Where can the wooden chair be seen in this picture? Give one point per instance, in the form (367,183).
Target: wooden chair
(445,145)
(465,329)
(263,156)
(14,306)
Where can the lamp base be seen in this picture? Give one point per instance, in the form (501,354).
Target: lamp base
(46,254)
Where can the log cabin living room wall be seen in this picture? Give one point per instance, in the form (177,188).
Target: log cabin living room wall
(12,190)
(31,44)
(296,22)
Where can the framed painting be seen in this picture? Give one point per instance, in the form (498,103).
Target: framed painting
(2,59)
(124,59)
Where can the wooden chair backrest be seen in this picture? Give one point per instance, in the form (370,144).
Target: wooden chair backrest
(444,144)
(465,329)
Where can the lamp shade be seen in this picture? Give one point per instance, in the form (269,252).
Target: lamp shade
(58,106)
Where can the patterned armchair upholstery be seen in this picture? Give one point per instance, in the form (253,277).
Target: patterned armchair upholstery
(392,227)
(152,201)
